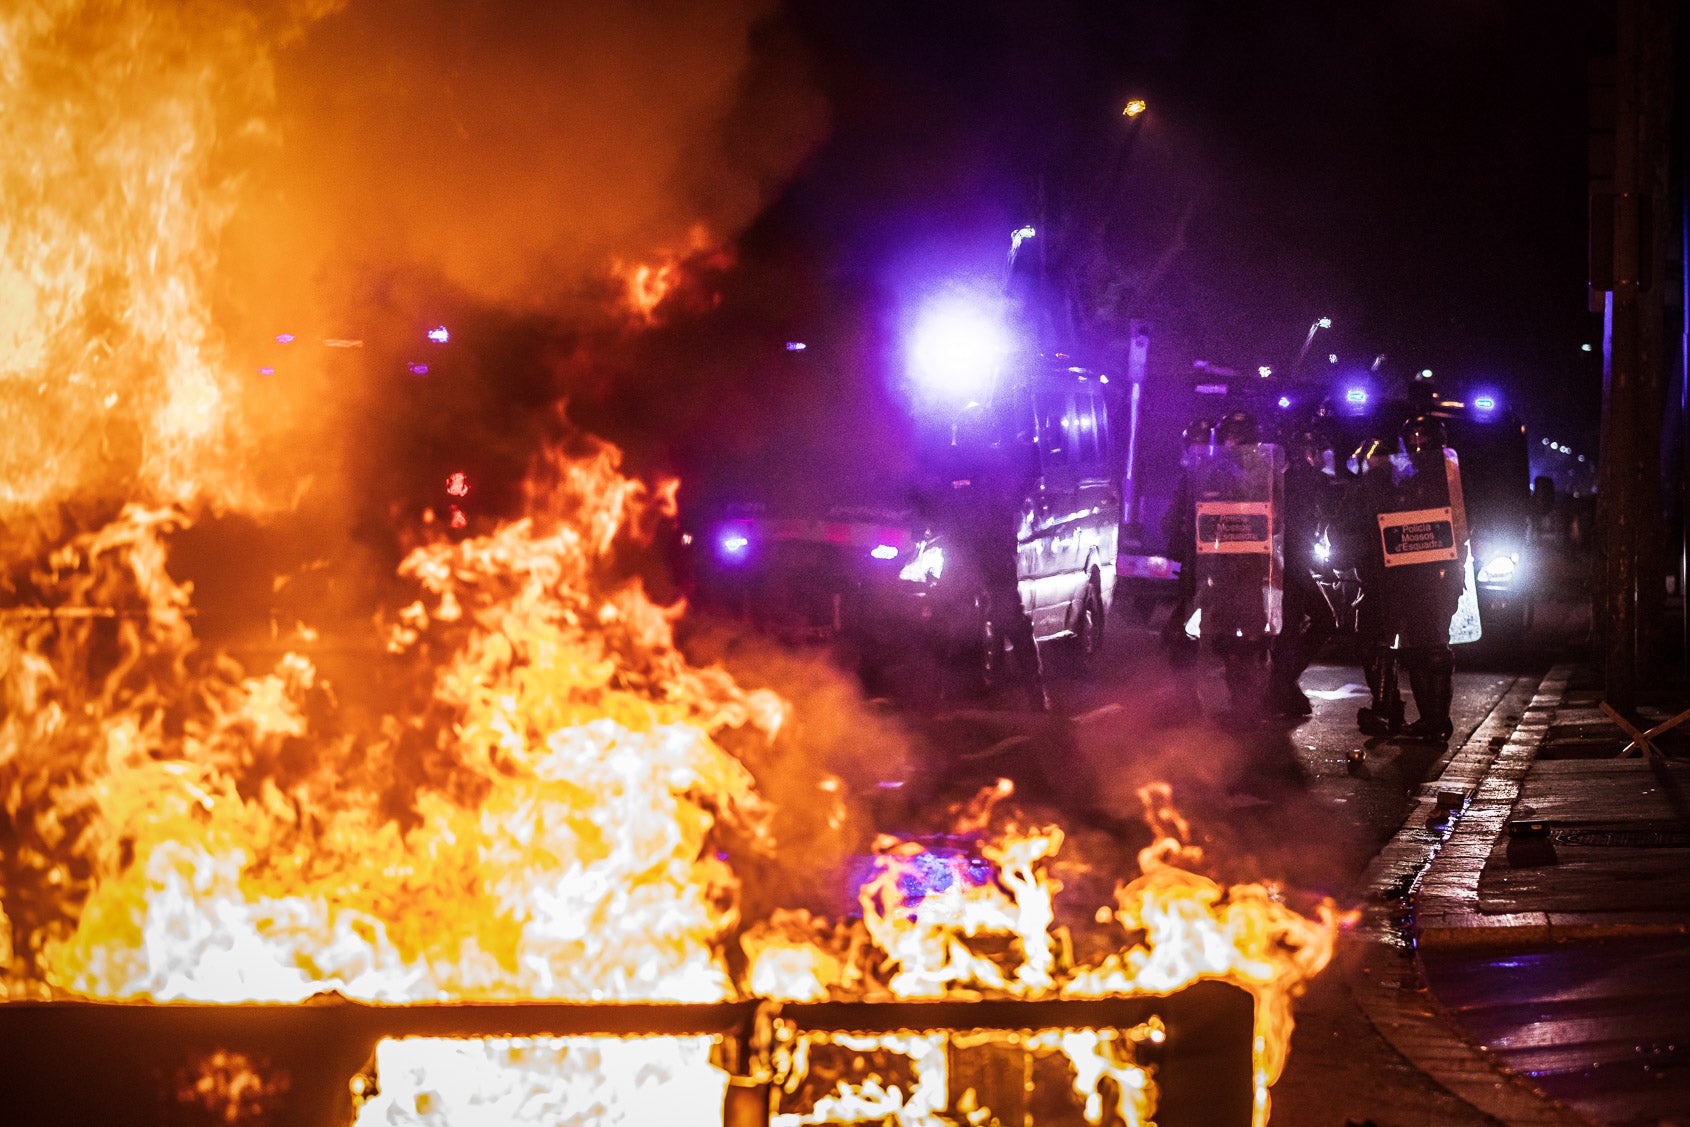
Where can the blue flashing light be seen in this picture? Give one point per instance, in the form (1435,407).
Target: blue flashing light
(439,335)
(884,552)
(734,544)
(956,348)
(1485,403)
(1284,402)
(1356,395)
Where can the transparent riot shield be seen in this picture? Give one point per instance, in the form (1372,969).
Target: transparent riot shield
(1240,549)
(1424,537)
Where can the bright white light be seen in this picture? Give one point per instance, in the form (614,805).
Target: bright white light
(1584,348)
(1133,108)
(1356,395)
(1284,402)
(1545,441)
(439,335)
(1325,322)
(884,552)
(1485,403)
(1019,236)
(795,346)
(1264,371)
(1323,550)
(929,564)
(1331,357)
(1425,373)
(1498,569)
(1581,457)
(956,348)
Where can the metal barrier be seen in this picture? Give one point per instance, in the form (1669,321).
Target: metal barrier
(74,1063)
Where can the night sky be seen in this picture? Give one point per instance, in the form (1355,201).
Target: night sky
(1416,172)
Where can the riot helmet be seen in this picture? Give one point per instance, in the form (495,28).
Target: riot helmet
(1423,432)
(1309,444)
(1237,429)
(1198,432)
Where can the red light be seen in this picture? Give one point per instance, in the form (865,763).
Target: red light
(458,485)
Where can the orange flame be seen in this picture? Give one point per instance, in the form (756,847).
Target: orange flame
(646,286)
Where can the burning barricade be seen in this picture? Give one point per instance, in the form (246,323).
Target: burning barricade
(466,907)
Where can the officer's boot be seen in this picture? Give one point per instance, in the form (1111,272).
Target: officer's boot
(1421,683)
(1392,691)
(1383,714)
(1441,675)
(1246,683)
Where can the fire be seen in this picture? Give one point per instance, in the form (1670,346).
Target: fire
(548,821)
(544,800)
(647,285)
(121,141)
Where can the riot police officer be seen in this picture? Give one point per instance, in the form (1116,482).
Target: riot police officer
(1237,546)
(1372,493)
(1307,619)
(1424,545)
(1181,535)
(987,510)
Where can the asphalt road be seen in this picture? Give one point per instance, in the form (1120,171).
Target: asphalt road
(1282,802)
(1290,803)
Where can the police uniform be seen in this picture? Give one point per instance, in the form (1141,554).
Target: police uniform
(989,520)
(1373,492)
(1423,597)
(1307,615)
(1180,530)
(1237,553)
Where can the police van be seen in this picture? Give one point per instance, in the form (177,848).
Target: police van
(893,571)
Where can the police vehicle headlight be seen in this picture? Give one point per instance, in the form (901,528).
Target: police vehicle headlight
(1499,569)
(733,544)
(928,565)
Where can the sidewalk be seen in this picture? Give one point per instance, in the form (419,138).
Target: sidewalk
(1556,958)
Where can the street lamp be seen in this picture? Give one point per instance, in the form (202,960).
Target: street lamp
(1133,108)
(1319,324)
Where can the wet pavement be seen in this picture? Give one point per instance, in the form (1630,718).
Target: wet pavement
(1553,926)
(1534,978)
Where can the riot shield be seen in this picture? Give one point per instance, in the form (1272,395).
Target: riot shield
(1240,549)
(1425,544)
